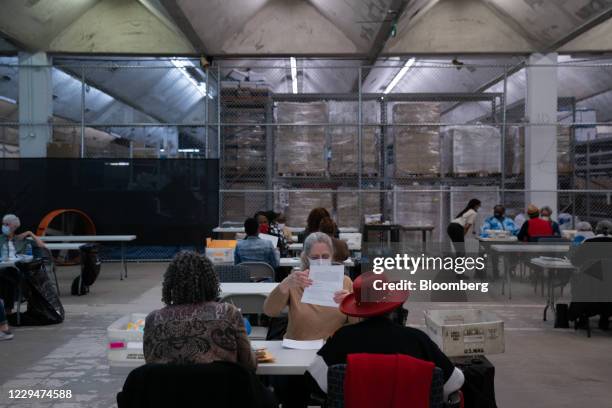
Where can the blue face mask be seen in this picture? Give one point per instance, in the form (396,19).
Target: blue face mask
(6,229)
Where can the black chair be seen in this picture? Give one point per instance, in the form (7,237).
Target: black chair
(217,384)
(232,273)
(335,389)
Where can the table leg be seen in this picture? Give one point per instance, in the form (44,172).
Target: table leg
(123,263)
(508,277)
(544,271)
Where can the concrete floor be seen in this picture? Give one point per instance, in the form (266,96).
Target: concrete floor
(542,366)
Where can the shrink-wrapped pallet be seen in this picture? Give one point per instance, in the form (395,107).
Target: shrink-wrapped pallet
(300,149)
(345,139)
(347,207)
(238,206)
(514,151)
(416,147)
(472,149)
(296,205)
(564,164)
(244,146)
(415,205)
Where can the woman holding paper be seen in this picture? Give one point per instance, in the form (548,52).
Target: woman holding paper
(311,321)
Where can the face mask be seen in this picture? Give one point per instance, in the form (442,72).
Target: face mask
(6,229)
(264,228)
(320,261)
(498,215)
(281,226)
(546,217)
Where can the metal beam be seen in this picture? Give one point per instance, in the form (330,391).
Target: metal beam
(175,11)
(581,29)
(395,11)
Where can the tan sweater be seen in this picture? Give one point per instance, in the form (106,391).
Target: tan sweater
(306,321)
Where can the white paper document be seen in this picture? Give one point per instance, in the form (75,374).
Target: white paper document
(302,344)
(272,238)
(326,280)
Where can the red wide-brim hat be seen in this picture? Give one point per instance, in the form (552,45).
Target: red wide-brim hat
(367,302)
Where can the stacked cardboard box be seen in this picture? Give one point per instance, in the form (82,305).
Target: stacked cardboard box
(344,139)
(471,150)
(296,205)
(300,149)
(420,207)
(515,150)
(239,206)
(244,146)
(416,147)
(347,207)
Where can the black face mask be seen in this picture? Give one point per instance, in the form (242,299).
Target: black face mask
(498,215)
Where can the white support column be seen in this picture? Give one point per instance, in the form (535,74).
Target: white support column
(541,132)
(35,104)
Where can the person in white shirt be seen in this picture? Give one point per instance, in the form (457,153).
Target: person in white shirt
(460,226)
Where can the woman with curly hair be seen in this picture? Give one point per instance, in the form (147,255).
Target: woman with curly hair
(193,327)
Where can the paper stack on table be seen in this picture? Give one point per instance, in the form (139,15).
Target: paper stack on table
(302,344)
(326,280)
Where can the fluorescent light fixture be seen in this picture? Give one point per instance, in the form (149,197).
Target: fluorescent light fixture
(182,65)
(189,150)
(162,150)
(118,164)
(293,74)
(398,77)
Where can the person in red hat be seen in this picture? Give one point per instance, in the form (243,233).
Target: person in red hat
(377,333)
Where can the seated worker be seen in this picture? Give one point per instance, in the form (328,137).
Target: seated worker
(16,243)
(11,245)
(546,214)
(313,221)
(253,248)
(281,222)
(590,288)
(193,327)
(307,321)
(499,222)
(535,226)
(268,225)
(341,250)
(5,333)
(376,333)
(583,231)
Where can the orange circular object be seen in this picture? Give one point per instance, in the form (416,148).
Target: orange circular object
(44,224)
(90,229)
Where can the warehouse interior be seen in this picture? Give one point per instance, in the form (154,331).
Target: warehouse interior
(395,110)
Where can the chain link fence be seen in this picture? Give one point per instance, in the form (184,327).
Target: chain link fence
(410,139)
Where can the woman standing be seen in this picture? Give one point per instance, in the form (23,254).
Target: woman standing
(459,227)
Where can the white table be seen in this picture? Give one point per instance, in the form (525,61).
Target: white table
(64,246)
(286,361)
(96,238)
(298,247)
(549,266)
(510,238)
(293,262)
(525,248)
(247,288)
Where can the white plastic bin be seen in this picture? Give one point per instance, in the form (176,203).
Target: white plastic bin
(466,332)
(124,347)
(220,255)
